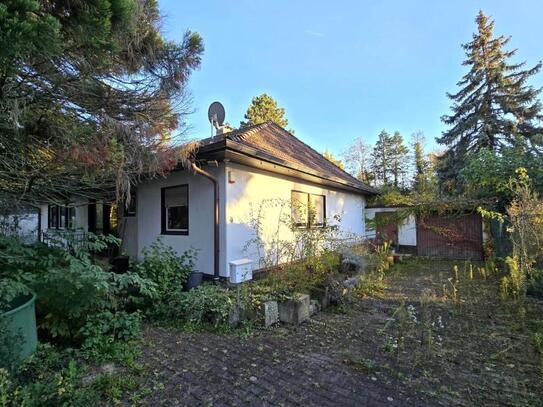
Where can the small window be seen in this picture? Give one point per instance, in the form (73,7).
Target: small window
(175,210)
(308,210)
(52,217)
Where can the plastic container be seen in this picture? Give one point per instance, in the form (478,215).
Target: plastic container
(194,280)
(21,322)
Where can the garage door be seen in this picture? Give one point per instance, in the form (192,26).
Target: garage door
(450,237)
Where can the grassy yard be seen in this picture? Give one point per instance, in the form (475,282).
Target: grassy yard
(423,340)
(448,335)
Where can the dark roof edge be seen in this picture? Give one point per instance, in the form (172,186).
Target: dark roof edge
(227,144)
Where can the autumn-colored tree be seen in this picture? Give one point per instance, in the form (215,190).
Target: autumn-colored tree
(332,158)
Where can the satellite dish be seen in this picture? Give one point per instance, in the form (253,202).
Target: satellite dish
(216,114)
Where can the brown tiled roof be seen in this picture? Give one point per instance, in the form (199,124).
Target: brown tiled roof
(273,141)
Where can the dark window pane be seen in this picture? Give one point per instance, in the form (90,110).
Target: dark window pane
(177,218)
(70,218)
(62,217)
(176,210)
(53,217)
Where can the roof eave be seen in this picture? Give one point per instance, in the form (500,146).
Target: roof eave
(219,149)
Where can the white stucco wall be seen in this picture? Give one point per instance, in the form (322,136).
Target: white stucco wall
(407,230)
(246,190)
(200,235)
(24,225)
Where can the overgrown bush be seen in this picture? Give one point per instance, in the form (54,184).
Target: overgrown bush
(206,305)
(525,214)
(168,271)
(71,288)
(102,331)
(48,378)
(283,241)
(301,277)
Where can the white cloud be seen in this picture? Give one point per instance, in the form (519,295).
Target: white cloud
(314,33)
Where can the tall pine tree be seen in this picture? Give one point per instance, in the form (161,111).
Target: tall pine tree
(381,158)
(398,160)
(495,108)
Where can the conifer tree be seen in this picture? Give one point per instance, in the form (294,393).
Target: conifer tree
(495,107)
(398,159)
(421,164)
(89,92)
(262,109)
(382,158)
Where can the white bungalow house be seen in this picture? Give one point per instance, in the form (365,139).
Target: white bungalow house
(209,208)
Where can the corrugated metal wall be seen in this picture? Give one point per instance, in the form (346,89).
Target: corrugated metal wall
(455,237)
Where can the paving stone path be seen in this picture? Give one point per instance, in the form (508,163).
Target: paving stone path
(285,366)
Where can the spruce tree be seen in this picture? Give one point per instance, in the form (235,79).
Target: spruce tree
(494,108)
(398,159)
(381,158)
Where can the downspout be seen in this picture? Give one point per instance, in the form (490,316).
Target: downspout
(216,241)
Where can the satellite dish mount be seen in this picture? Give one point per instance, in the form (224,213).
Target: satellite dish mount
(216,115)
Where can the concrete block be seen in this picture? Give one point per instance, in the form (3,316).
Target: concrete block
(270,311)
(295,311)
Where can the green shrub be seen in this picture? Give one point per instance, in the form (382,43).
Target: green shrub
(207,304)
(535,285)
(282,283)
(101,332)
(70,287)
(48,378)
(165,268)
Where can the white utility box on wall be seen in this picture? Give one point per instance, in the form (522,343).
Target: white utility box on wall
(241,270)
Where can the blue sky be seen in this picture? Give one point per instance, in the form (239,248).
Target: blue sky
(342,69)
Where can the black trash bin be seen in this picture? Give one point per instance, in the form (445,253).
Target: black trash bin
(194,280)
(120,264)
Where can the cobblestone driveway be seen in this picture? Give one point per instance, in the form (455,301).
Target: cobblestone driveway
(306,365)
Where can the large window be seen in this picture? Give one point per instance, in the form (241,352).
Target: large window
(308,210)
(175,210)
(61,217)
